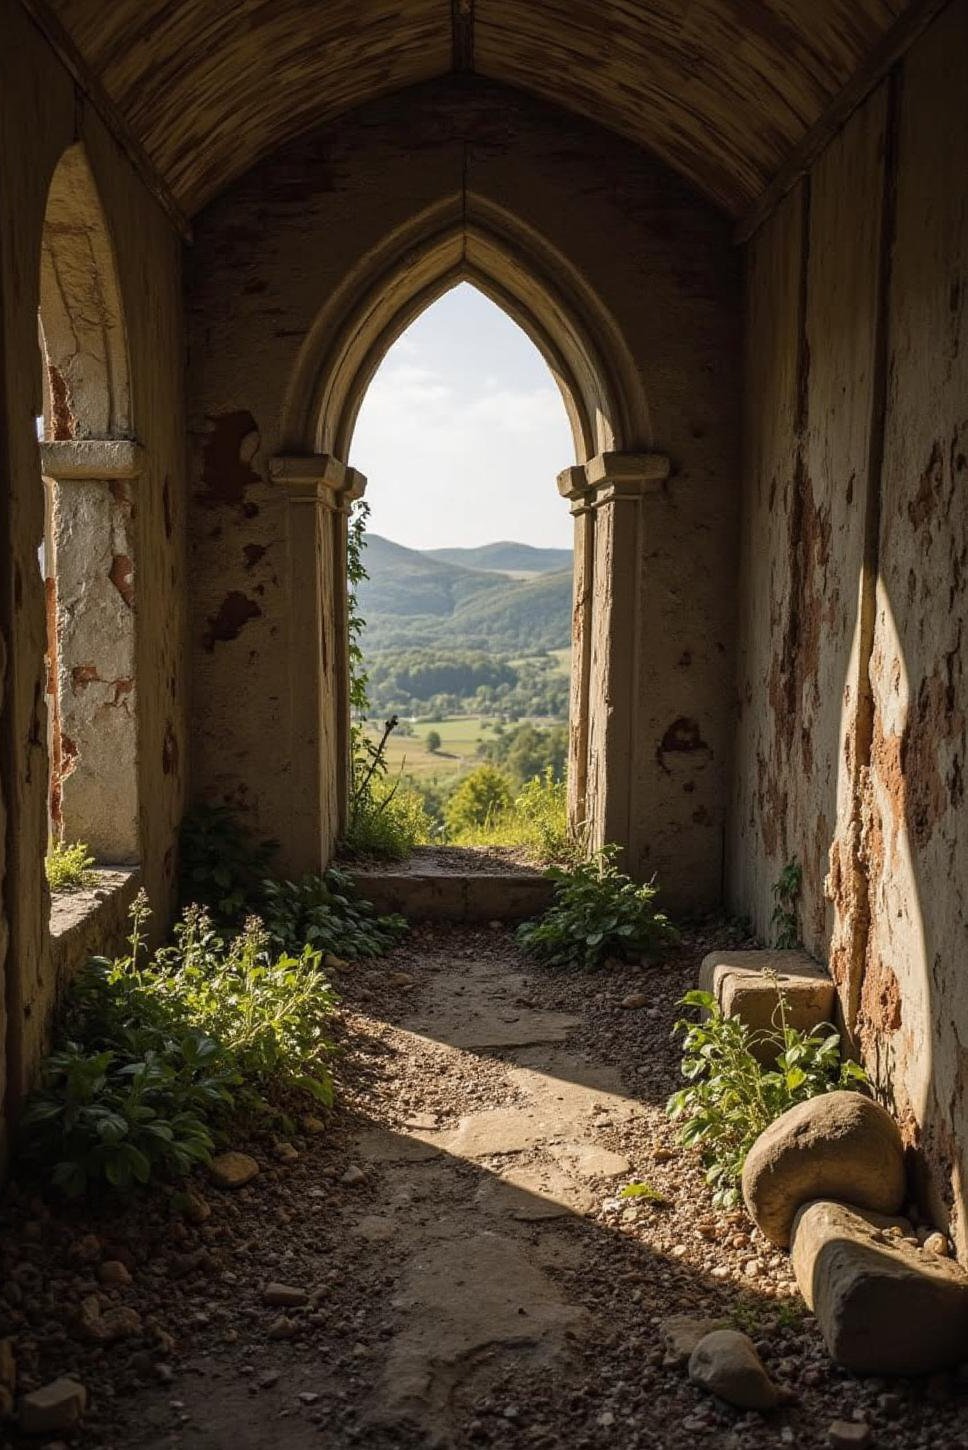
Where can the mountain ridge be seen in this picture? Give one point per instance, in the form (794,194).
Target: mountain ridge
(415,599)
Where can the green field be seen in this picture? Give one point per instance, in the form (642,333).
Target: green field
(459,737)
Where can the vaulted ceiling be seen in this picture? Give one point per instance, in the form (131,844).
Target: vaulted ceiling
(721,89)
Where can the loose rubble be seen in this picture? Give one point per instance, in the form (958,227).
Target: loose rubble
(214,1363)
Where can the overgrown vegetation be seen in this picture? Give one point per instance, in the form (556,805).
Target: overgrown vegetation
(536,819)
(729,1097)
(786,900)
(598,914)
(157,1049)
(69,867)
(384,820)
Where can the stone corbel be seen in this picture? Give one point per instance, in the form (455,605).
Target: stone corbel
(318,477)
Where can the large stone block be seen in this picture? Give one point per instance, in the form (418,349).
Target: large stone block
(745,986)
(840,1145)
(884,1305)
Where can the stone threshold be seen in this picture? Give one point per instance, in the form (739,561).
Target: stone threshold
(455,884)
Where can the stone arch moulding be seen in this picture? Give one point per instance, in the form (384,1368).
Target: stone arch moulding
(606,406)
(90,465)
(530,280)
(82,316)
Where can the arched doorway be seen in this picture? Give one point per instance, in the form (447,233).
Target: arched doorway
(613,469)
(462,615)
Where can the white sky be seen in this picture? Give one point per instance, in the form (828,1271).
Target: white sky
(463,432)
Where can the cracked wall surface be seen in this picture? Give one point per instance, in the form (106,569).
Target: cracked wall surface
(39,102)
(270,256)
(852,697)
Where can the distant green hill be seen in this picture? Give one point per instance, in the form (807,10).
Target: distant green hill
(415,600)
(505,558)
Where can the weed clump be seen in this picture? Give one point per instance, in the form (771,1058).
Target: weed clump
(69,867)
(730,1098)
(598,914)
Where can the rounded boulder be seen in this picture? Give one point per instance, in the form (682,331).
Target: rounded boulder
(840,1146)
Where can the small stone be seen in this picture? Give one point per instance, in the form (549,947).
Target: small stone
(401,979)
(106,1327)
(196,1209)
(353,1176)
(232,1170)
(57,1406)
(635,999)
(495,925)
(87,1250)
(726,1364)
(682,1333)
(284,1296)
(285,1152)
(335,964)
(848,1434)
(114,1274)
(308,1397)
(312,1125)
(281,1328)
(936,1243)
(889,1404)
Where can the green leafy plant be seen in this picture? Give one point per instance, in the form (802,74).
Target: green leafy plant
(156,1050)
(645,1193)
(222,867)
(598,913)
(786,898)
(69,867)
(327,914)
(729,1098)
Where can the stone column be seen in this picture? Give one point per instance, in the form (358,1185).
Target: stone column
(320,490)
(573,486)
(618,488)
(90,587)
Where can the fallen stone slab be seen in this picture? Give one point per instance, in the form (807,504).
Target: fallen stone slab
(745,986)
(883,1305)
(840,1146)
(522,1029)
(726,1364)
(55,1408)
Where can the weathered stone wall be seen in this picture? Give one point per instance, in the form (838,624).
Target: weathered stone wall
(41,115)
(272,253)
(851,740)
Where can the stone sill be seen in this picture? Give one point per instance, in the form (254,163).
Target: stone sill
(92,921)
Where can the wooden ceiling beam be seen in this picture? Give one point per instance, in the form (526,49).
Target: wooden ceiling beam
(87,82)
(909,26)
(462,27)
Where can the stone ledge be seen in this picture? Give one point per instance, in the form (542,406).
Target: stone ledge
(742,984)
(93,921)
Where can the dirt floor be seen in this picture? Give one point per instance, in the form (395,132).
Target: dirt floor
(470,1277)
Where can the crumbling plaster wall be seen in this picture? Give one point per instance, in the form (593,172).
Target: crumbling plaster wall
(41,114)
(269,254)
(852,695)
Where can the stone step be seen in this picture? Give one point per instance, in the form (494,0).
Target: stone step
(745,985)
(440,886)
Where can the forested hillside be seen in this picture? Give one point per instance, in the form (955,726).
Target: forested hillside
(413,600)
